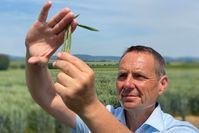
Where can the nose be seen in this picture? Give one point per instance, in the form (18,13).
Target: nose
(129,82)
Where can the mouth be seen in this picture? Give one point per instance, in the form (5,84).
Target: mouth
(130,95)
(126,92)
(129,99)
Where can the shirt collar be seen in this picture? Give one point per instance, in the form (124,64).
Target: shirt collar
(155,120)
(121,117)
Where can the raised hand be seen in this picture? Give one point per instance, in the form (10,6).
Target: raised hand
(75,83)
(44,38)
(76,86)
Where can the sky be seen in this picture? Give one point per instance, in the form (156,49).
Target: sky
(169,26)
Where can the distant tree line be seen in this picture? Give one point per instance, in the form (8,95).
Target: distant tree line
(4,62)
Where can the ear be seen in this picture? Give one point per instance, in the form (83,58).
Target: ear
(163,83)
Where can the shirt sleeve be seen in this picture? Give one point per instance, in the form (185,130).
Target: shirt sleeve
(80,126)
(183,129)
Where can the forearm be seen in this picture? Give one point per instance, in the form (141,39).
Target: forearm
(40,85)
(99,120)
(39,82)
(42,40)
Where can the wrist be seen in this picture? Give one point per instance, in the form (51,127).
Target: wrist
(91,110)
(98,117)
(36,61)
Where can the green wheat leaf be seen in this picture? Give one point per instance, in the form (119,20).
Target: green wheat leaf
(87,27)
(68,36)
(64,46)
(77,15)
(67,40)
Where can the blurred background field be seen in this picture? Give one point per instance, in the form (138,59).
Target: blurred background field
(19,113)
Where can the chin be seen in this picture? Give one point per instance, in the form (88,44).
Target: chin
(129,105)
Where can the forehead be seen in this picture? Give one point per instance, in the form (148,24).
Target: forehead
(138,60)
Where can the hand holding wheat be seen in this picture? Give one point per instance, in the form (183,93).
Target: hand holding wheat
(45,37)
(68,36)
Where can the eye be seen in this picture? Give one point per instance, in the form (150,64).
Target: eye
(139,77)
(122,76)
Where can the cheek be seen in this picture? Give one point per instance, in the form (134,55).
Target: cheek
(149,93)
(146,87)
(119,87)
(141,87)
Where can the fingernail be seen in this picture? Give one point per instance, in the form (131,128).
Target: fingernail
(66,9)
(54,63)
(49,2)
(59,54)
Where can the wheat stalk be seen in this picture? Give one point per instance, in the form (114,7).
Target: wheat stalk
(68,36)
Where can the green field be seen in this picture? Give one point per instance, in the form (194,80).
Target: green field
(19,113)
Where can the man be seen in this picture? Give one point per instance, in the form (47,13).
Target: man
(141,79)
(74,92)
(72,98)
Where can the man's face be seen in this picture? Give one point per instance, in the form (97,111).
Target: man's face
(137,82)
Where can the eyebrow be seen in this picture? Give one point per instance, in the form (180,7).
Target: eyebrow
(134,72)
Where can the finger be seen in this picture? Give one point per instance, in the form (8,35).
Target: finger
(64,79)
(56,19)
(61,36)
(68,68)
(64,23)
(81,65)
(74,24)
(61,90)
(44,12)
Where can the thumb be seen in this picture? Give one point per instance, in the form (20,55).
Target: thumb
(37,60)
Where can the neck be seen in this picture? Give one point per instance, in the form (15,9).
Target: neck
(136,117)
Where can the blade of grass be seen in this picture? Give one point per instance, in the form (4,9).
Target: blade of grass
(68,36)
(69,39)
(65,38)
(87,27)
(84,26)
(77,15)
